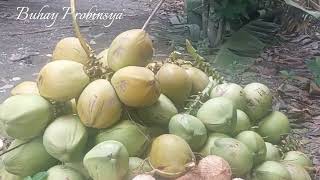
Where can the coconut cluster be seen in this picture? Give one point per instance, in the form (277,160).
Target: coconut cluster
(77,122)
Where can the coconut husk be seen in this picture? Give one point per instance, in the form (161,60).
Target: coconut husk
(214,168)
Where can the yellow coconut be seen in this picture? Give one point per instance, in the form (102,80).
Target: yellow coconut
(70,48)
(26,87)
(171,156)
(136,86)
(103,57)
(175,83)
(98,105)
(199,79)
(130,48)
(62,80)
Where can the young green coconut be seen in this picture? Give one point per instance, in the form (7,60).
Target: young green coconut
(28,159)
(232,91)
(98,105)
(5,175)
(132,135)
(171,156)
(243,122)
(66,138)
(136,86)
(299,158)
(273,153)
(259,101)
(219,115)
(70,48)
(255,143)
(107,160)
(137,166)
(274,126)
(297,172)
(237,154)
(130,48)
(25,116)
(26,87)
(62,80)
(212,137)
(175,83)
(158,113)
(190,128)
(271,170)
(79,167)
(61,172)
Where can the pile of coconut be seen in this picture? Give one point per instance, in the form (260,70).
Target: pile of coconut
(122,116)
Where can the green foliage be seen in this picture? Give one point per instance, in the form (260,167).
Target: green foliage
(234,9)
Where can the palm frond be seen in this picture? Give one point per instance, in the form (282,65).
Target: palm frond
(247,43)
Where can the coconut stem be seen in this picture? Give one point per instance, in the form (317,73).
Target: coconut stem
(76,29)
(152,14)
(193,106)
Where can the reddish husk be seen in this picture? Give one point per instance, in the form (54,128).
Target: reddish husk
(209,168)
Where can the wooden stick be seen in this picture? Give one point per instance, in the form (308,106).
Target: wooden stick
(152,14)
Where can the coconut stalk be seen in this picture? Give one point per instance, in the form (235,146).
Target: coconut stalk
(196,103)
(89,51)
(94,68)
